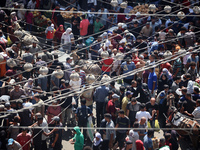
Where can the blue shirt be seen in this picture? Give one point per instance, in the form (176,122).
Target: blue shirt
(148,142)
(101,93)
(127,68)
(152,78)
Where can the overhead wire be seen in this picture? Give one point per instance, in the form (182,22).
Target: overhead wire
(167,59)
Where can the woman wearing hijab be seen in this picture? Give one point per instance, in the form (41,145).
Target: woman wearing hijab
(28,87)
(97,142)
(67,40)
(161,82)
(169,76)
(139,145)
(58,34)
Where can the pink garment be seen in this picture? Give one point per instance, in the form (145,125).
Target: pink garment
(29,18)
(84,27)
(53,111)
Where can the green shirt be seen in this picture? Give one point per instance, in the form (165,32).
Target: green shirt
(97,26)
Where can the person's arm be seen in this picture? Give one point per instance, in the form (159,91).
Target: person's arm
(154,85)
(190,115)
(55,140)
(111,140)
(197,66)
(127,112)
(177,70)
(157,111)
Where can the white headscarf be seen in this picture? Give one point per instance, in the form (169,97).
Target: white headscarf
(98,135)
(66,36)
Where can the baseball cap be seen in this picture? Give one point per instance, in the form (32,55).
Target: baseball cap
(128,59)
(56,118)
(133,100)
(129,142)
(68,58)
(107,115)
(10,141)
(115,96)
(129,93)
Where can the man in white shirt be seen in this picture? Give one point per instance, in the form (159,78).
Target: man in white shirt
(196,112)
(143,113)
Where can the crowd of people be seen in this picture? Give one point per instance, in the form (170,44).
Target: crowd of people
(150,63)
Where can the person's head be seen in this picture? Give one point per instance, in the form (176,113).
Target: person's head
(196,90)
(16,87)
(193,65)
(148,25)
(152,57)
(184,91)
(143,107)
(83,16)
(122,89)
(37,97)
(77,68)
(121,113)
(115,97)
(16,119)
(143,120)
(150,132)
(133,83)
(24,131)
(162,142)
(69,60)
(153,101)
(56,120)
(164,77)
(129,94)
(49,23)
(129,145)
(99,39)
(39,119)
(83,101)
(107,117)
(136,124)
(166,88)
(178,79)
(133,101)
(198,102)
(151,70)
(97,19)
(61,28)
(34,43)
(98,136)
(139,39)
(183,30)
(135,24)
(27,49)
(128,60)
(188,96)
(187,76)
(11,142)
(167,136)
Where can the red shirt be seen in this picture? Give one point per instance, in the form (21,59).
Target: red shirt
(84,27)
(111,108)
(135,60)
(121,18)
(23,140)
(107,63)
(53,110)
(166,65)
